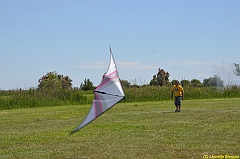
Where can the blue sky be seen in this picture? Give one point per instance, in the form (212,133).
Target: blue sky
(188,38)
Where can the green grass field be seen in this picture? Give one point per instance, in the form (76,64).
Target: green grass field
(129,130)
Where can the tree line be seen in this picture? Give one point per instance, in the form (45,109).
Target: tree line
(53,80)
(162,79)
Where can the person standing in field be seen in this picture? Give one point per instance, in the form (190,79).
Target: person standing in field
(178,93)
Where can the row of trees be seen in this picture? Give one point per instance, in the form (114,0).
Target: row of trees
(52,80)
(162,79)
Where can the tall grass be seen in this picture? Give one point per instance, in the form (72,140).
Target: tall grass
(35,98)
(153,93)
(147,93)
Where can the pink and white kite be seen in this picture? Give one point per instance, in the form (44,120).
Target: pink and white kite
(106,95)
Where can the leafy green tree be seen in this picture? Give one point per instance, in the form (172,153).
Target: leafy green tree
(185,82)
(196,83)
(66,82)
(213,82)
(161,79)
(237,69)
(173,82)
(125,83)
(154,81)
(52,80)
(87,85)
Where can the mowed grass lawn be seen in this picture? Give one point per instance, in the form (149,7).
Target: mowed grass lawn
(128,130)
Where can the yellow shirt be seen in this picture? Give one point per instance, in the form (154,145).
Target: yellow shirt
(178,90)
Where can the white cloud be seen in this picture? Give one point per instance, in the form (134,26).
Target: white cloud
(135,65)
(99,64)
(190,63)
(120,64)
(201,76)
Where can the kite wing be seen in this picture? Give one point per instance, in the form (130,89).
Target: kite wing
(106,95)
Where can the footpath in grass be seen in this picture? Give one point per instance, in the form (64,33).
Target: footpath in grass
(204,128)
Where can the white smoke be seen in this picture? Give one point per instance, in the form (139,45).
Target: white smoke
(226,72)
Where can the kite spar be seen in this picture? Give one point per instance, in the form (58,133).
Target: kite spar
(106,95)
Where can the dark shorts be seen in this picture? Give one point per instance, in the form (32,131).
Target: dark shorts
(177,101)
